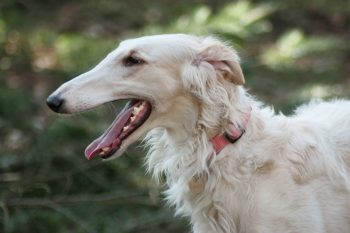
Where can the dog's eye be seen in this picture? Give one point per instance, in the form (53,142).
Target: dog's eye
(131,61)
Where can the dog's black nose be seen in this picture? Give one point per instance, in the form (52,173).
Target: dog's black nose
(54,102)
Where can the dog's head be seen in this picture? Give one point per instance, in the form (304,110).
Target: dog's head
(168,79)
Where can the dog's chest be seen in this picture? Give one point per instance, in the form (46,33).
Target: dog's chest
(233,198)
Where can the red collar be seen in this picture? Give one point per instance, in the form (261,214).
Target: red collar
(220,141)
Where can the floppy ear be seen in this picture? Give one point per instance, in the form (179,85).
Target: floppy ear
(223,59)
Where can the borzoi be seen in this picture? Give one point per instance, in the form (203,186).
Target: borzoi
(230,163)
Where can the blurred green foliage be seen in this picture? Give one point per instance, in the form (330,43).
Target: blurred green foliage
(291,51)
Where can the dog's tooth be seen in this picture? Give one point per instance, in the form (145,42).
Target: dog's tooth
(106,149)
(136,110)
(125,128)
(132,118)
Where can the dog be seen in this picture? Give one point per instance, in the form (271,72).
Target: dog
(231,164)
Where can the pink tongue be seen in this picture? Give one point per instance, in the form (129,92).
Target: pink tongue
(111,134)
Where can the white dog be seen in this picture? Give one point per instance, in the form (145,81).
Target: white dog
(230,164)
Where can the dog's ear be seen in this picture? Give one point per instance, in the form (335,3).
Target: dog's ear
(223,59)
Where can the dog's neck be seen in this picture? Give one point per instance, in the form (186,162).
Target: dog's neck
(181,155)
(230,135)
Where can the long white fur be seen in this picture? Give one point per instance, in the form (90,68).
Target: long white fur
(286,174)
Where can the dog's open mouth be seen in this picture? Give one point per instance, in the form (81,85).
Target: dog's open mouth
(134,114)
